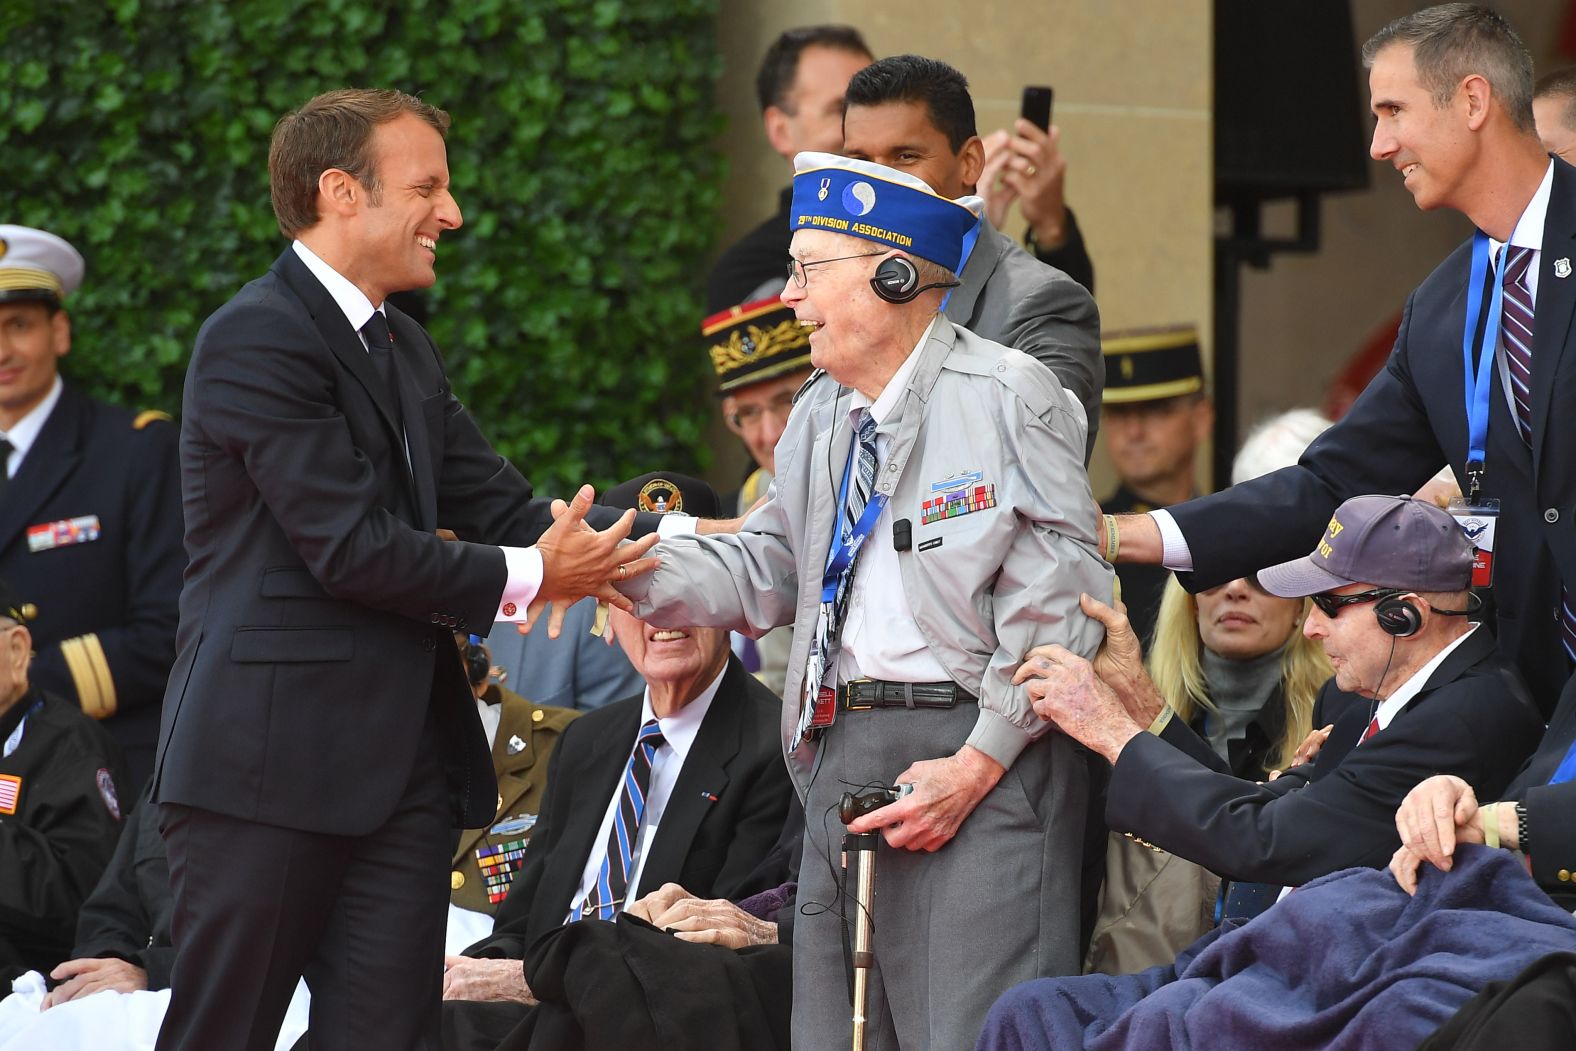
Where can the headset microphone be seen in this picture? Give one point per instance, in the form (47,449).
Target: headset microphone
(897,281)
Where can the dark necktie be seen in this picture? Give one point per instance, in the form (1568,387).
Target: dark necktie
(1373,728)
(829,627)
(1516,328)
(612,882)
(5,456)
(380,348)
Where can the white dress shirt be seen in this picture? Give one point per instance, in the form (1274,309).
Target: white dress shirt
(25,433)
(881,639)
(678,735)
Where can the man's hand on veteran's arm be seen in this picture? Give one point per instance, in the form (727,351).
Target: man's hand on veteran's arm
(946,791)
(79,978)
(1065,690)
(465,978)
(715,921)
(1119,663)
(578,561)
(1440,813)
(1026,165)
(1308,751)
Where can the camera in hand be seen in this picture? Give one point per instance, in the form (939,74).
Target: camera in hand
(853,806)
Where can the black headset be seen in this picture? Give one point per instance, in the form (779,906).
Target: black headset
(897,281)
(1400,617)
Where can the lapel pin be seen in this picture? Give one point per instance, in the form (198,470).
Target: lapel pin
(1562,267)
(516,745)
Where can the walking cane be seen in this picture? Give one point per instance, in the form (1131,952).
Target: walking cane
(860,849)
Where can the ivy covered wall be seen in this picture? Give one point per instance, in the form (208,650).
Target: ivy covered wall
(581,152)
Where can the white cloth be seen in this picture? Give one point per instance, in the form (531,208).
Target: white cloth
(25,433)
(881,639)
(678,735)
(130,1021)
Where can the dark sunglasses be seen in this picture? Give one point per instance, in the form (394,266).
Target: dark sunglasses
(1331,604)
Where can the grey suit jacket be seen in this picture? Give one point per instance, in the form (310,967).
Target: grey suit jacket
(1011,298)
(985,587)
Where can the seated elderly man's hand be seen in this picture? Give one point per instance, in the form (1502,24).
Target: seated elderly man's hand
(467,978)
(1435,815)
(1064,689)
(79,978)
(715,921)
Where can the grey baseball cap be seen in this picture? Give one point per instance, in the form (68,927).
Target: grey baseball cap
(1387,541)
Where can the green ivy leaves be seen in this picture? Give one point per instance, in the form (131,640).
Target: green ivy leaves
(582,154)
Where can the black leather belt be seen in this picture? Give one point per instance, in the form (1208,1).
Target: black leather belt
(860,695)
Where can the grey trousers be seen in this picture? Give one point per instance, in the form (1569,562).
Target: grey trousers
(954,929)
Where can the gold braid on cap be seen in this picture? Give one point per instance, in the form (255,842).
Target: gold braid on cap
(785,335)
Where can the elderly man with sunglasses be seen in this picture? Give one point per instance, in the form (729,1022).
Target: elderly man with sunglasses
(1389,583)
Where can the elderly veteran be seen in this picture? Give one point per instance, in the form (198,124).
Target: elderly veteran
(61,782)
(1389,582)
(90,510)
(930,522)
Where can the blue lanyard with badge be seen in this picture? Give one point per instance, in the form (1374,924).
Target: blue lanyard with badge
(836,583)
(1477,516)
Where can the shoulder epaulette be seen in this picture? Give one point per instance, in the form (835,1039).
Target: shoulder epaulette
(147,416)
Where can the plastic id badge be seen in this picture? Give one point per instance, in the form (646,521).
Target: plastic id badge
(1477,521)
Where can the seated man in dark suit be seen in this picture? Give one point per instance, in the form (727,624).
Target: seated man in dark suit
(685,784)
(1536,814)
(1389,582)
(60,782)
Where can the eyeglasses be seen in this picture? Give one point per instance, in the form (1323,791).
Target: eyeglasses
(750,415)
(796,269)
(1331,604)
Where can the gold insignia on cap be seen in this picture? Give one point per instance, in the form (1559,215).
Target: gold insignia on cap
(1127,366)
(456,879)
(660,496)
(3,247)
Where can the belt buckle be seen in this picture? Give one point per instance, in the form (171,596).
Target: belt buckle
(848,696)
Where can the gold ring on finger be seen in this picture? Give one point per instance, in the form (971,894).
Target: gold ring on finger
(623,571)
(1030,170)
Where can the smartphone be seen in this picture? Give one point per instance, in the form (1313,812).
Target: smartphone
(1037,106)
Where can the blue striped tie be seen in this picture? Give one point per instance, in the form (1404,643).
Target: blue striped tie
(612,881)
(1516,329)
(863,480)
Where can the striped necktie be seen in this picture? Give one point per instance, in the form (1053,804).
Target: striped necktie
(1516,330)
(612,882)
(861,481)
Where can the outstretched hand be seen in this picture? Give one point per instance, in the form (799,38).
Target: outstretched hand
(578,561)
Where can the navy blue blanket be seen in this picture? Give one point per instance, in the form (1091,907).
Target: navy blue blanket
(1347,961)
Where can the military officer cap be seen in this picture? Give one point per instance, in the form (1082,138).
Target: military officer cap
(13,607)
(662,492)
(754,342)
(37,266)
(1150,364)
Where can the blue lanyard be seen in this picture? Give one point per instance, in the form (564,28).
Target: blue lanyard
(968,248)
(1567,770)
(1478,381)
(845,549)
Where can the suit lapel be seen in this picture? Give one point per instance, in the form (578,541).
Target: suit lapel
(701,782)
(1556,300)
(982,261)
(46,467)
(595,777)
(408,339)
(337,333)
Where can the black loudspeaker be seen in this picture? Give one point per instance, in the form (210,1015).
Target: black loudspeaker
(1290,100)
(896,280)
(1398,617)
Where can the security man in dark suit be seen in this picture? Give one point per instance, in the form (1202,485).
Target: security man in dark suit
(1482,372)
(90,511)
(1156,416)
